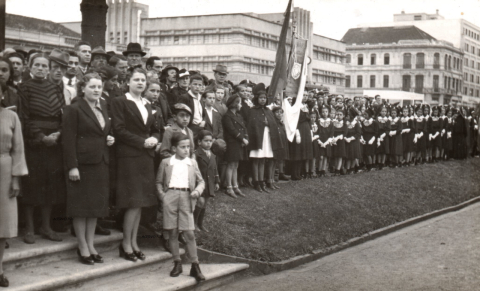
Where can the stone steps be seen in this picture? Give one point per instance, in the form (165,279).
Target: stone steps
(48,265)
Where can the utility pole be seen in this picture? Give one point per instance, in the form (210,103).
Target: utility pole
(3,16)
(94,21)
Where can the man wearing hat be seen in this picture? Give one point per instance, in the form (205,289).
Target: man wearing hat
(99,57)
(84,53)
(134,54)
(20,49)
(58,67)
(180,91)
(220,75)
(169,76)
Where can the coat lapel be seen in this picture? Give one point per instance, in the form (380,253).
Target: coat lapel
(134,108)
(201,153)
(88,110)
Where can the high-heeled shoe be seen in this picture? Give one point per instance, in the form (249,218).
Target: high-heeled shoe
(4,281)
(140,255)
(96,258)
(127,256)
(87,260)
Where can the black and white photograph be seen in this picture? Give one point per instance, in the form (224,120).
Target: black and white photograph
(275,145)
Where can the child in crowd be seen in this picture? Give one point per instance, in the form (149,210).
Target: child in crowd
(421,136)
(369,133)
(219,102)
(426,116)
(383,145)
(436,128)
(179,185)
(207,164)
(181,120)
(338,148)
(352,143)
(325,133)
(448,146)
(280,162)
(213,119)
(395,134)
(407,136)
(311,165)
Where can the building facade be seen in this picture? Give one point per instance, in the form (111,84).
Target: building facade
(464,36)
(403,59)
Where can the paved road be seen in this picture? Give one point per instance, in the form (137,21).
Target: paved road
(439,254)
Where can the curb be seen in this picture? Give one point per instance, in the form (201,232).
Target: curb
(264,268)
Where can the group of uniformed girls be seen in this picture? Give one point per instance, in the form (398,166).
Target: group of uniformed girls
(347,140)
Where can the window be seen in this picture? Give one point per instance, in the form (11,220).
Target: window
(465,76)
(445,82)
(471,92)
(360,60)
(372,81)
(373,59)
(471,78)
(385,81)
(417,17)
(406,80)
(176,39)
(454,63)
(435,83)
(465,90)
(125,39)
(386,59)
(472,64)
(478,80)
(473,49)
(407,61)
(466,47)
(349,59)
(420,61)
(419,84)
(359,81)
(247,67)
(211,38)
(478,93)
(225,38)
(466,62)
(436,61)
(195,39)
(255,41)
(449,62)
(347,81)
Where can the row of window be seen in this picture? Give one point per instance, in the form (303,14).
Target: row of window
(208,31)
(471,34)
(327,50)
(467,91)
(327,80)
(407,61)
(449,83)
(471,79)
(328,57)
(210,39)
(471,64)
(471,49)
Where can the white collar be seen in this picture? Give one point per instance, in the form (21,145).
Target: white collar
(212,109)
(193,95)
(129,97)
(174,161)
(323,120)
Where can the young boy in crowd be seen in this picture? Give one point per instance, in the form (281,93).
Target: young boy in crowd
(181,119)
(213,119)
(179,185)
(207,164)
(219,103)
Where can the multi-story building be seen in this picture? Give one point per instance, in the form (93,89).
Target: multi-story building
(36,33)
(405,59)
(463,34)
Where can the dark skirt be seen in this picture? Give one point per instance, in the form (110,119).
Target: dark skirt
(384,148)
(353,149)
(339,150)
(437,142)
(407,139)
(459,146)
(135,182)
(45,183)
(396,145)
(304,150)
(421,145)
(235,152)
(89,196)
(325,152)
(369,149)
(316,149)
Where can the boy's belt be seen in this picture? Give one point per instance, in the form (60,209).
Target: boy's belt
(180,189)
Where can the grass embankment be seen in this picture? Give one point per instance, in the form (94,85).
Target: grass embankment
(313,214)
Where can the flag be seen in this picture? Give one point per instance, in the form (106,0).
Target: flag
(279,78)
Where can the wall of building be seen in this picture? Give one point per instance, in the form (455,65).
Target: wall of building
(449,78)
(123,21)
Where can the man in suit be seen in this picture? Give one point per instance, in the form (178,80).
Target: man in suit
(84,52)
(193,100)
(213,120)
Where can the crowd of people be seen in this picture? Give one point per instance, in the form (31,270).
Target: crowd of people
(86,131)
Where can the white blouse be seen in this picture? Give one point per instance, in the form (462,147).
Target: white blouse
(140,105)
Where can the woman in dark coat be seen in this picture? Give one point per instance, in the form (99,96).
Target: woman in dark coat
(284,154)
(42,103)
(459,134)
(408,135)
(383,141)
(352,143)
(325,133)
(264,140)
(136,139)
(85,151)
(436,127)
(236,138)
(395,134)
(370,134)
(421,134)
(448,144)
(338,148)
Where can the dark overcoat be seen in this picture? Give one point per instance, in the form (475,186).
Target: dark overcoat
(208,168)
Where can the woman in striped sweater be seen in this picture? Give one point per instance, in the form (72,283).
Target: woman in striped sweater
(41,113)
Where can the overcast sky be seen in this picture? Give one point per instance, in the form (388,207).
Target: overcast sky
(331,18)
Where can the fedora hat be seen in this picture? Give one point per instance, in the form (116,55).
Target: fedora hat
(20,50)
(183,73)
(59,56)
(99,51)
(221,69)
(134,47)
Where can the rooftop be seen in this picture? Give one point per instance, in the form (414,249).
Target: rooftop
(392,34)
(40,25)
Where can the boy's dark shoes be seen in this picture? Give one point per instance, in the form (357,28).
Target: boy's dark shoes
(238,192)
(196,273)
(177,269)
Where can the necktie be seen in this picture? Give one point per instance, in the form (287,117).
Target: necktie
(70,82)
